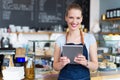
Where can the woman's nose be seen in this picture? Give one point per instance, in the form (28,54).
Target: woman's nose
(74,20)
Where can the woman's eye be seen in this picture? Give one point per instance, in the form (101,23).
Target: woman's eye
(70,17)
(78,17)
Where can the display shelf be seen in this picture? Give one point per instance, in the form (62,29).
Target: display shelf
(112,19)
(49,33)
(39,32)
(43,56)
(42,50)
(106,33)
(34,41)
(112,26)
(108,51)
(42,40)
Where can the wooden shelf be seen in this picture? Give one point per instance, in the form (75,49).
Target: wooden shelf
(43,56)
(40,32)
(112,19)
(110,33)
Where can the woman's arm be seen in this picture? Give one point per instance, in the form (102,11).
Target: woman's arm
(59,62)
(93,63)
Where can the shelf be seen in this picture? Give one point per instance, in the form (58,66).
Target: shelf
(39,32)
(44,56)
(109,40)
(106,33)
(42,40)
(38,56)
(112,19)
(115,25)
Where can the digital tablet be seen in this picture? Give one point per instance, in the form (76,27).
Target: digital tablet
(71,51)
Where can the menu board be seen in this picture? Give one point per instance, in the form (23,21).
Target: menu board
(49,12)
(85,4)
(17,12)
(33,13)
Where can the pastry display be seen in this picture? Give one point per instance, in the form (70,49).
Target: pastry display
(102,65)
(107,66)
(39,52)
(49,52)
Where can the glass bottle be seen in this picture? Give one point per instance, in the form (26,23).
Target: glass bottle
(108,14)
(29,69)
(118,12)
(117,61)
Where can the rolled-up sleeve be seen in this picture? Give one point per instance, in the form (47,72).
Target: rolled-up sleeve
(92,39)
(60,41)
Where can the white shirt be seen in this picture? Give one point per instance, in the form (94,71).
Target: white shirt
(89,39)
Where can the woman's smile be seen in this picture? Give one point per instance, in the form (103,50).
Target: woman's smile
(74,25)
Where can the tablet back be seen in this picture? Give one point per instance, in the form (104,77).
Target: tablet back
(71,51)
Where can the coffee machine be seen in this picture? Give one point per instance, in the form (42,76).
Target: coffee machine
(7,57)
(5,41)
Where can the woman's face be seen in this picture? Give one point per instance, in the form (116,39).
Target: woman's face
(74,19)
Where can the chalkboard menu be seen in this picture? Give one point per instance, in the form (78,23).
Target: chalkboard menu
(85,4)
(49,12)
(18,12)
(36,13)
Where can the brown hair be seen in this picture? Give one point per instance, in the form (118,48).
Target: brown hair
(75,6)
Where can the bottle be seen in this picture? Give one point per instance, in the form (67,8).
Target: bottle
(11,63)
(29,69)
(118,12)
(117,62)
(114,13)
(108,14)
(111,13)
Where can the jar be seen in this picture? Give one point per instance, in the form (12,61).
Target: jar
(29,69)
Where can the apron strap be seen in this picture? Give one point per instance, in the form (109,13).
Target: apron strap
(81,34)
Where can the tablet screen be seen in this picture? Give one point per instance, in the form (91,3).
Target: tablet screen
(71,51)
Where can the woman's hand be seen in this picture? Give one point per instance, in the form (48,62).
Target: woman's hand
(80,59)
(64,61)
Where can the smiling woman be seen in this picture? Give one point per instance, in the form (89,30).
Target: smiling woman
(73,18)
(75,36)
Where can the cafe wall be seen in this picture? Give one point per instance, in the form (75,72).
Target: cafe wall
(108,4)
(39,14)
(94,16)
(94,13)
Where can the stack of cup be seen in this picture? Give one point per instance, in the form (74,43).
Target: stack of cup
(13,73)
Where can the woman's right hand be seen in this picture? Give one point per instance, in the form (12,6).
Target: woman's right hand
(64,61)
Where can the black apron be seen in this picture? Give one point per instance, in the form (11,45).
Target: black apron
(75,71)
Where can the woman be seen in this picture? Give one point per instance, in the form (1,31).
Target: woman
(75,36)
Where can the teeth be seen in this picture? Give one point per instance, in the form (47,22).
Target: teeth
(74,25)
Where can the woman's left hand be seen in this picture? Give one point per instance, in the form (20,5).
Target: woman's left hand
(80,59)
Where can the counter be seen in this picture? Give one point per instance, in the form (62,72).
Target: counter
(114,75)
(108,75)
(52,75)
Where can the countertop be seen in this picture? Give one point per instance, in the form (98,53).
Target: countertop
(104,73)
(52,75)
